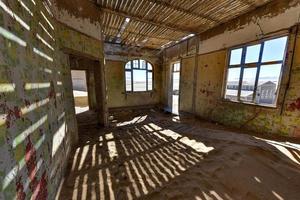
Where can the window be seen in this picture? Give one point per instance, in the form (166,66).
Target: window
(254,72)
(138,76)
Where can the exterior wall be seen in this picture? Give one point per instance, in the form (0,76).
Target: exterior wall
(37,119)
(275,18)
(79,80)
(117,98)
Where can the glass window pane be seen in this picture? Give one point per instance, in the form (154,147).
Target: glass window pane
(139,80)
(274,50)
(233,83)
(150,82)
(176,79)
(236,57)
(143,64)
(136,64)
(128,65)
(268,84)
(149,66)
(252,55)
(248,84)
(176,67)
(128,81)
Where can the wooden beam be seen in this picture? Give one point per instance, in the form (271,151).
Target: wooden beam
(183,10)
(148,21)
(250,3)
(138,34)
(126,32)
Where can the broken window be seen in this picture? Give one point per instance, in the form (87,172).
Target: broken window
(254,72)
(138,76)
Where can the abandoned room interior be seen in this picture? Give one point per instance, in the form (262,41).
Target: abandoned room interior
(150,99)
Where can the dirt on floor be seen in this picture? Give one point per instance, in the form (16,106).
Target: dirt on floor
(151,155)
(81,101)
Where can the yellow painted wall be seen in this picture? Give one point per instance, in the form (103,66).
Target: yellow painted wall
(115,77)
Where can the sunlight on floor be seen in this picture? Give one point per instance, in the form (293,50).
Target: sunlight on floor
(290,150)
(135,120)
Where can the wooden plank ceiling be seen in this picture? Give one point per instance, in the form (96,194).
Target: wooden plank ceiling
(158,23)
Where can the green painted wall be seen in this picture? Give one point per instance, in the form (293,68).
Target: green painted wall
(37,117)
(209,104)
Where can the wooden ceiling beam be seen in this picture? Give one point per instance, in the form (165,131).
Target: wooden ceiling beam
(183,10)
(138,34)
(249,3)
(148,21)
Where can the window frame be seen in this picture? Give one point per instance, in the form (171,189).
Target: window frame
(132,68)
(243,65)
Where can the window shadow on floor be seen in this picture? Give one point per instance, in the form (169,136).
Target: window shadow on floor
(158,158)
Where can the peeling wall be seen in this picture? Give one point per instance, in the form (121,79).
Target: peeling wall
(77,42)
(275,18)
(83,16)
(284,120)
(80,35)
(37,119)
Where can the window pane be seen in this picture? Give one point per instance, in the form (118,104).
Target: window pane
(139,80)
(176,67)
(136,64)
(268,84)
(252,55)
(274,50)
(150,87)
(149,66)
(233,83)
(176,79)
(143,64)
(248,84)
(128,81)
(236,57)
(128,65)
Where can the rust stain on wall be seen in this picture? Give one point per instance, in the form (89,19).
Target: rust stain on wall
(295,106)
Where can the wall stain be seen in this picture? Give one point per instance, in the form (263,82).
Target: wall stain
(294,106)
(20,190)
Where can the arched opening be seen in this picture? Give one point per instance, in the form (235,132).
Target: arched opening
(138,76)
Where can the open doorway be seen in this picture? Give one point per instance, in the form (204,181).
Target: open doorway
(80,90)
(175,87)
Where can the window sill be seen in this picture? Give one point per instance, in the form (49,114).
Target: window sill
(251,104)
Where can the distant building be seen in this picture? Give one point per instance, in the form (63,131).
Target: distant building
(265,94)
(79,80)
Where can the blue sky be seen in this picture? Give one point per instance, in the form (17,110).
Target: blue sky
(273,51)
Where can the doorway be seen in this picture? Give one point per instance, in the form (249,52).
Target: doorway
(175,87)
(80,91)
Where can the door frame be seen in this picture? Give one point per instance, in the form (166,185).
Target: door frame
(171,86)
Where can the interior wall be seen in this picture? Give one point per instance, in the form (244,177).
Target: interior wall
(186,86)
(80,34)
(37,119)
(275,18)
(117,97)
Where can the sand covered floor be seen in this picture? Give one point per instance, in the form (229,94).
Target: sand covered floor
(155,156)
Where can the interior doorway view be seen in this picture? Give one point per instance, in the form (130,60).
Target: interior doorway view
(175,88)
(80,90)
